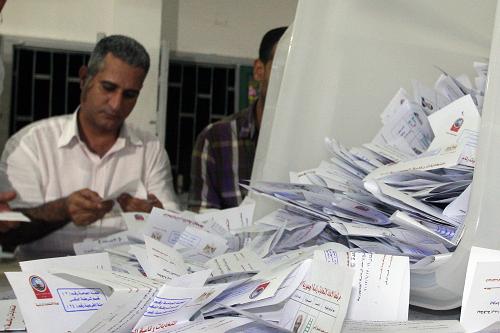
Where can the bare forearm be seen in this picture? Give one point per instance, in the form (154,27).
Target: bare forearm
(51,212)
(82,207)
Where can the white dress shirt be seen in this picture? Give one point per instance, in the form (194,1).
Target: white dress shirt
(48,160)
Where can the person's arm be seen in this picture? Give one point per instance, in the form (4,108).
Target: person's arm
(82,207)
(203,194)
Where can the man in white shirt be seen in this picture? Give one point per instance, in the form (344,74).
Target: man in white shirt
(69,168)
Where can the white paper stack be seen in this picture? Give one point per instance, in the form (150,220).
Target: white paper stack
(404,193)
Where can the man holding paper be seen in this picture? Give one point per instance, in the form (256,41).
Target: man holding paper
(70,168)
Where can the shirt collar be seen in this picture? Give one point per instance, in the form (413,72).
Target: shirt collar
(249,127)
(70,132)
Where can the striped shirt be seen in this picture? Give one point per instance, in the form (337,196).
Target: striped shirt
(222,157)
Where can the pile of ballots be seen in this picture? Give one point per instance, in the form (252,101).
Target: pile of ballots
(177,280)
(404,193)
(336,257)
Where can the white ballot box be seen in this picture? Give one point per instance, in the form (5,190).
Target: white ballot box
(337,68)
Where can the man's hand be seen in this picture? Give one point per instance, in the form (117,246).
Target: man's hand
(85,206)
(5,197)
(130,204)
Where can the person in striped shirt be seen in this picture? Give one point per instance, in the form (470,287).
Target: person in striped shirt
(224,151)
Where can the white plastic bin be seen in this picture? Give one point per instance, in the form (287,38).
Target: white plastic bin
(339,65)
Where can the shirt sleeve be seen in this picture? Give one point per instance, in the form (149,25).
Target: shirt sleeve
(21,171)
(203,193)
(159,180)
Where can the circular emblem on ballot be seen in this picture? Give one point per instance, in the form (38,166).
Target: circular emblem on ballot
(37,283)
(257,291)
(39,287)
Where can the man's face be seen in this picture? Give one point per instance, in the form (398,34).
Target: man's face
(262,72)
(109,97)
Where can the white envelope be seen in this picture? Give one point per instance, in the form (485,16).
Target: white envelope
(388,292)
(454,123)
(130,297)
(165,262)
(483,265)
(320,301)
(52,304)
(243,261)
(176,305)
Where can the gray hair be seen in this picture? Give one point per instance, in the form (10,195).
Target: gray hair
(125,48)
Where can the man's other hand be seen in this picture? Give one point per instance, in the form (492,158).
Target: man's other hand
(130,204)
(86,206)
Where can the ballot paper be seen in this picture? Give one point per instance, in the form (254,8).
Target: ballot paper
(296,256)
(214,325)
(380,281)
(193,280)
(406,127)
(392,109)
(165,262)
(244,261)
(456,123)
(320,302)
(413,326)
(176,305)
(11,318)
(128,301)
(231,218)
(427,98)
(456,129)
(198,245)
(121,250)
(97,261)
(480,301)
(291,239)
(53,304)
(101,244)
(14,216)
(141,256)
(136,222)
(287,288)
(450,238)
(459,206)
(258,325)
(482,307)
(260,287)
(126,265)
(262,244)
(135,188)
(166,227)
